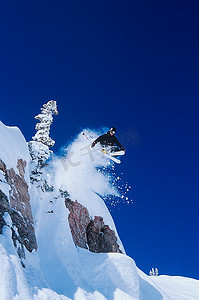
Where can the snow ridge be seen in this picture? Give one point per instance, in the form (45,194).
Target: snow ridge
(58,269)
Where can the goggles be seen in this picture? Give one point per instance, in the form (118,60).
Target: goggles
(112,131)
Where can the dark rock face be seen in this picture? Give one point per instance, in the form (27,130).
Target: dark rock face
(101,238)
(90,234)
(2,166)
(18,207)
(78,220)
(4,207)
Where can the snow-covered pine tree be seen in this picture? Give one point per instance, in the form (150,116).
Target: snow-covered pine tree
(39,147)
(153,272)
(156,272)
(46,118)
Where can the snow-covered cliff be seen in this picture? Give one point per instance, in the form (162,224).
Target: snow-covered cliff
(57,237)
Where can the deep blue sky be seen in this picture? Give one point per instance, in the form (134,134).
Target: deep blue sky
(128,64)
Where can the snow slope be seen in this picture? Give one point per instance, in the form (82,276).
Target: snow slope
(179,288)
(12,146)
(59,269)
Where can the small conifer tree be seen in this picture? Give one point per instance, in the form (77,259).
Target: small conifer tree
(46,118)
(154,272)
(39,147)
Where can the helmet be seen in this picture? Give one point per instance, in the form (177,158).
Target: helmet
(112,129)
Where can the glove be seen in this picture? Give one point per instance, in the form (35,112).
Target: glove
(93,144)
(122,148)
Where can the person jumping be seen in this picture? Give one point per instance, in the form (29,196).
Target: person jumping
(109,140)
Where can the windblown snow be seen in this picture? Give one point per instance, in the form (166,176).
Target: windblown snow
(59,269)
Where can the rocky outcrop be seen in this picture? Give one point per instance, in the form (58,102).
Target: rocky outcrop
(100,237)
(78,220)
(17,204)
(90,234)
(4,207)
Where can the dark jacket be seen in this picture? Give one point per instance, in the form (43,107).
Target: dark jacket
(107,140)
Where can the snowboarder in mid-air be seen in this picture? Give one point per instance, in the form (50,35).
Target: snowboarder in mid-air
(109,140)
